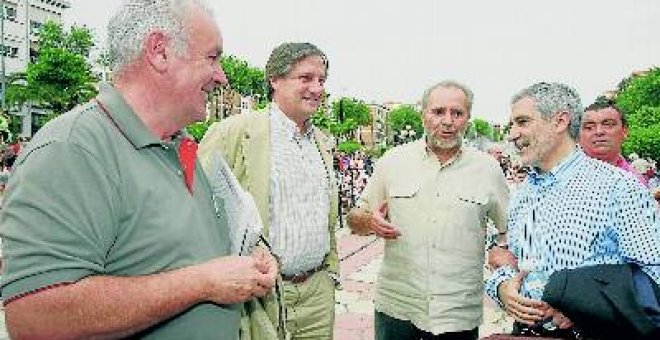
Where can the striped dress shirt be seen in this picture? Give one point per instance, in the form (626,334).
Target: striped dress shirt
(299,185)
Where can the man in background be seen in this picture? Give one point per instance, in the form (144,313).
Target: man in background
(603,129)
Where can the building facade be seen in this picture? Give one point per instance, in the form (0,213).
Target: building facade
(19,37)
(21,29)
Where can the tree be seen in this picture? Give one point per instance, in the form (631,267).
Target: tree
(345,116)
(482,128)
(349,114)
(405,117)
(350,146)
(640,100)
(245,79)
(322,118)
(60,78)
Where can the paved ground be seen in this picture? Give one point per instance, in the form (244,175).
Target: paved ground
(361,258)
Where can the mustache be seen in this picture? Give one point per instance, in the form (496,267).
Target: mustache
(440,129)
(522,143)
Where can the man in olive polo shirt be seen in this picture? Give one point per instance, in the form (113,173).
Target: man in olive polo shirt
(109,227)
(430,200)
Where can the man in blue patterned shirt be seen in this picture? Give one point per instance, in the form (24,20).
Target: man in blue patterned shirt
(573,211)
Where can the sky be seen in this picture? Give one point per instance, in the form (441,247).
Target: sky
(392,50)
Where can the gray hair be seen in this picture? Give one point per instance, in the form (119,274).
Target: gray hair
(135,19)
(285,56)
(449,84)
(551,98)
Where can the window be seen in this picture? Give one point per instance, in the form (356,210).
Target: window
(35,27)
(10,12)
(9,51)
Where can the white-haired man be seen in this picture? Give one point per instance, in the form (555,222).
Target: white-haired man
(430,199)
(109,228)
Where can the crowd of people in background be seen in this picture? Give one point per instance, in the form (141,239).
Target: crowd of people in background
(8,154)
(352,172)
(138,215)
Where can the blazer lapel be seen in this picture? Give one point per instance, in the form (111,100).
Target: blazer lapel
(256,142)
(326,154)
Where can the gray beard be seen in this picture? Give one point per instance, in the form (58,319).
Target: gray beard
(436,143)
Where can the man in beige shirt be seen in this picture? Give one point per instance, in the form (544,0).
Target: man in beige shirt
(430,200)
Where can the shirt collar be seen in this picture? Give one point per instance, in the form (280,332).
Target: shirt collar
(622,164)
(557,173)
(287,125)
(128,123)
(426,152)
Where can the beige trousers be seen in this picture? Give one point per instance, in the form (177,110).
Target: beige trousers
(310,307)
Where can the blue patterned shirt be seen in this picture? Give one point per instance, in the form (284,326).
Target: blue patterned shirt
(583,212)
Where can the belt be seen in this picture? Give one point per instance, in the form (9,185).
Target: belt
(302,277)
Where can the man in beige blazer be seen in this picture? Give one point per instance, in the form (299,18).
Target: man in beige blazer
(284,162)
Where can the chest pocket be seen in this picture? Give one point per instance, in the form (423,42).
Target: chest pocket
(403,201)
(476,205)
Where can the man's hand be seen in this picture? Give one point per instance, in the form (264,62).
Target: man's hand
(498,257)
(524,310)
(558,319)
(380,226)
(266,262)
(234,279)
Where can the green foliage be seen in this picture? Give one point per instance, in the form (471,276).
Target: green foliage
(60,78)
(644,141)
(246,79)
(198,129)
(645,116)
(640,99)
(403,116)
(17,90)
(351,109)
(640,91)
(349,146)
(4,123)
(346,116)
(482,128)
(322,120)
(78,40)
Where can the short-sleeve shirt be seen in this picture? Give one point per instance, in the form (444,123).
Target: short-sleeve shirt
(96,193)
(432,274)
